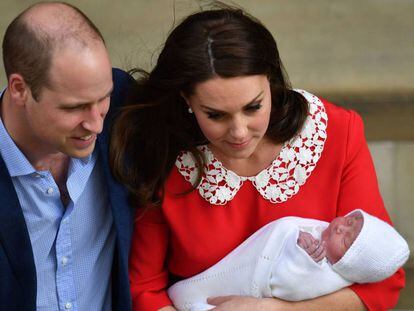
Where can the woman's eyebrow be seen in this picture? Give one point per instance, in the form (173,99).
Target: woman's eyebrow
(244,106)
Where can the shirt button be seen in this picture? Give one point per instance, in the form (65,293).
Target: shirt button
(49,191)
(64,260)
(68,306)
(37,175)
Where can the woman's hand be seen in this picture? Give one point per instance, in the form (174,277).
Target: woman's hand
(344,300)
(242,303)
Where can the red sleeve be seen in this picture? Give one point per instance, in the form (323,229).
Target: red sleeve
(359,189)
(147,272)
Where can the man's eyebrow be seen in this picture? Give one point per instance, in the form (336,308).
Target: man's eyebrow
(107,94)
(74,104)
(245,106)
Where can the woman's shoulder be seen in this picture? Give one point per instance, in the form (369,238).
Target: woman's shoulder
(341,115)
(332,110)
(340,120)
(344,123)
(182,177)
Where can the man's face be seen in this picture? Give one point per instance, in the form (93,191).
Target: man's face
(70,112)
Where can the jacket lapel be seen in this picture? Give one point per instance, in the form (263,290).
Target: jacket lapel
(118,198)
(14,237)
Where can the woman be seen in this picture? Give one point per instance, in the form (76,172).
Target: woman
(218,145)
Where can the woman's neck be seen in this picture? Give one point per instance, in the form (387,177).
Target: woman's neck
(264,154)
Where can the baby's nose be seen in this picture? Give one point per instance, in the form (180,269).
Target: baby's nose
(340,228)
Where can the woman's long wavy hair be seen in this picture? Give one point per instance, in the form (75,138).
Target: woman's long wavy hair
(149,134)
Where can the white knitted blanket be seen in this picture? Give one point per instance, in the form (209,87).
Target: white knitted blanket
(268,264)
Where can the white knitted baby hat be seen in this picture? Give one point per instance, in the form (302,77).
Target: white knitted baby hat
(376,254)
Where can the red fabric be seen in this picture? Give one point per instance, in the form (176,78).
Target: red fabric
(188,235)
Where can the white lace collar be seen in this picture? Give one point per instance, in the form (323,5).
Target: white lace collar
(276,183)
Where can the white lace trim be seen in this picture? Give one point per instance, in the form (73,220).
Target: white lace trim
(279,181)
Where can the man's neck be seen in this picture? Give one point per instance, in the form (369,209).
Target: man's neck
(1,103)
(15,125)
(58,166)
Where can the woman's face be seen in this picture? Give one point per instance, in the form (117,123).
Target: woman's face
(233,113)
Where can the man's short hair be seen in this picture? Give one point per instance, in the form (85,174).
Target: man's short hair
(28,49)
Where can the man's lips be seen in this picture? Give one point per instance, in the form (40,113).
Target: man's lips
(87,137)
(84,141)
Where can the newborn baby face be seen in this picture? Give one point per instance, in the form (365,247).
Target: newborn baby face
(340,235)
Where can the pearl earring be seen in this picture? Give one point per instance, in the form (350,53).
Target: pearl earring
(190,110)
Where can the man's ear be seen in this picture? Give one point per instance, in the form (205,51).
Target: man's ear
(18,89)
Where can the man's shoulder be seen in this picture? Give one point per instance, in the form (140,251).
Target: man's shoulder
(120,75)
(123,84)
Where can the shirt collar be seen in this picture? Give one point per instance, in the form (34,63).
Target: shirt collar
(16,162)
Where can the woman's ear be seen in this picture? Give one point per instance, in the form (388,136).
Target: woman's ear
(185,98)
(190,110)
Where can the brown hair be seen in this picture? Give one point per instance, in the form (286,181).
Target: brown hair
(28,49)
(149,135)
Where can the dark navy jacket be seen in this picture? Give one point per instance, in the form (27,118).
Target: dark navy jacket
(17,267)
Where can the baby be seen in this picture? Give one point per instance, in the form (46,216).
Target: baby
(296,258)
(336,239)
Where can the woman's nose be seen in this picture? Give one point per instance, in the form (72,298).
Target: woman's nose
(238,129)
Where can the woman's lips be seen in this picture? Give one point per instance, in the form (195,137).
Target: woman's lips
(239,145)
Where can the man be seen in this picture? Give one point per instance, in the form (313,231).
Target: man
(65,224)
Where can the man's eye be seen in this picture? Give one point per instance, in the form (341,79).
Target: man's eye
(74,108)
(254,107)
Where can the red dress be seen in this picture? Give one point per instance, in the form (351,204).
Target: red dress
(325,172)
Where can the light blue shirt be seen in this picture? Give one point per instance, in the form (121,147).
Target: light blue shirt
(72,246)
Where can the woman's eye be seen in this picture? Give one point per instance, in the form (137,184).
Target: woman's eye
(214,115)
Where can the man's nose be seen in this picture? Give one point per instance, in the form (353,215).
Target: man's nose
(94,117)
